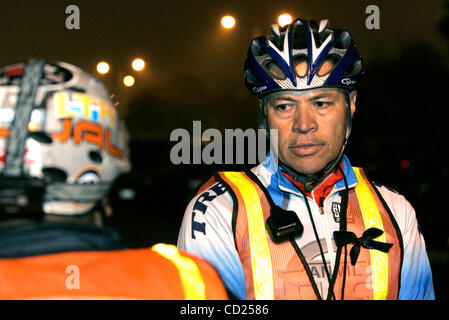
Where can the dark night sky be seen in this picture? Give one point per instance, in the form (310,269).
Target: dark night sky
(183,42)
(195,72)
(194,67)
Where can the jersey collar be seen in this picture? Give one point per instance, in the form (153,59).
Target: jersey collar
(286,185)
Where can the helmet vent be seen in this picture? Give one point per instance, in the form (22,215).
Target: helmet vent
(299,37)
(52,174)
(95,156)
(77,89)
(300,64)
(353,69)
(328,64)
(41,137)
(319,36)
(343,41)
(251,78)
(257,49)
(274,69)
(278,41)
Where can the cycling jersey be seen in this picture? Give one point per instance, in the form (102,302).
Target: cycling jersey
(207,230)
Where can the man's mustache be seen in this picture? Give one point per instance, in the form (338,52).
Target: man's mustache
(305,142)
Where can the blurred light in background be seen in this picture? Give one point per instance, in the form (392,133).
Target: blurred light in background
(103,67)
(138,64)
(128,81)
(405,164)
(127,194)
(228,22)
(284,19)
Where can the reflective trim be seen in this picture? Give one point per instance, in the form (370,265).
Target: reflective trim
(260,253)
(192,281)
(372,218)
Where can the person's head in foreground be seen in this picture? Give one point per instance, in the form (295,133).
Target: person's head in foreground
(62,140)
(62,145)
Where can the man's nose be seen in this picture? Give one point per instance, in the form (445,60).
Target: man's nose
(304,120)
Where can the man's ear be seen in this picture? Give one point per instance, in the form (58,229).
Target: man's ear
(352,99)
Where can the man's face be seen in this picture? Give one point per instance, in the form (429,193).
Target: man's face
(311,126)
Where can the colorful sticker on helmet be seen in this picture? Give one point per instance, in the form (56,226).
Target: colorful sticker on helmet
(53,74)
(30,156)
(7,116)
(88,177)
(83,131)
(84,106)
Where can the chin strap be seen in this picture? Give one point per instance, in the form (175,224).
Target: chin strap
(310,182)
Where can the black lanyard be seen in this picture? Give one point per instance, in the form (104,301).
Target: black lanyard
(331,280)
(343,227)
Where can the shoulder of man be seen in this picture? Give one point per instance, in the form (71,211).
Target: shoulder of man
(212,192)
(207,231)
(211,207)
(400,207)
(215,194)
(416,274)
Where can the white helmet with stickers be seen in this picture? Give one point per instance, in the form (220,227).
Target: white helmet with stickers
(62,140)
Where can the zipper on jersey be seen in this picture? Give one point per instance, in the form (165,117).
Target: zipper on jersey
(323,222)
(312,208)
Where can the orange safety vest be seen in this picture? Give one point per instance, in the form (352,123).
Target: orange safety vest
(159,273)
(376,274)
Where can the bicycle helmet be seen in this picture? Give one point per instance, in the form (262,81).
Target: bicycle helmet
(62,140)
(302,55)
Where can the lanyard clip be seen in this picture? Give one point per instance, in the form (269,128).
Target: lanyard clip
(283,224)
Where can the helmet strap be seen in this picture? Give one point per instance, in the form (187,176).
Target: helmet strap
(18,132)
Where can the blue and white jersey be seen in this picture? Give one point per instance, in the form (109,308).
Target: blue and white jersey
(206,231)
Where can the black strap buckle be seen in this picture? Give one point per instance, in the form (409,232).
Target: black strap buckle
(283,225)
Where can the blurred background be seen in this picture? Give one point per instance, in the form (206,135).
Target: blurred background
(193,70)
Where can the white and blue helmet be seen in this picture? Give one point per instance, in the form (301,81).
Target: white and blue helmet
(301,56)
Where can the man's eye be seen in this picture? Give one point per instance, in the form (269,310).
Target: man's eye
(283,107)
(322,104)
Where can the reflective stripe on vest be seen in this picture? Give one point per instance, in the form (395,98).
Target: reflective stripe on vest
(372,218)
(192,281)
(260,253)
(259,248)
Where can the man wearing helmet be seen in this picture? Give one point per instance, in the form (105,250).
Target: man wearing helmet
(62,144)
(305,224)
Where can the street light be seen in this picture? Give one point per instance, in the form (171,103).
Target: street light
(103,67)
(228,22)
(138,64)
(284,19)
(128,81)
